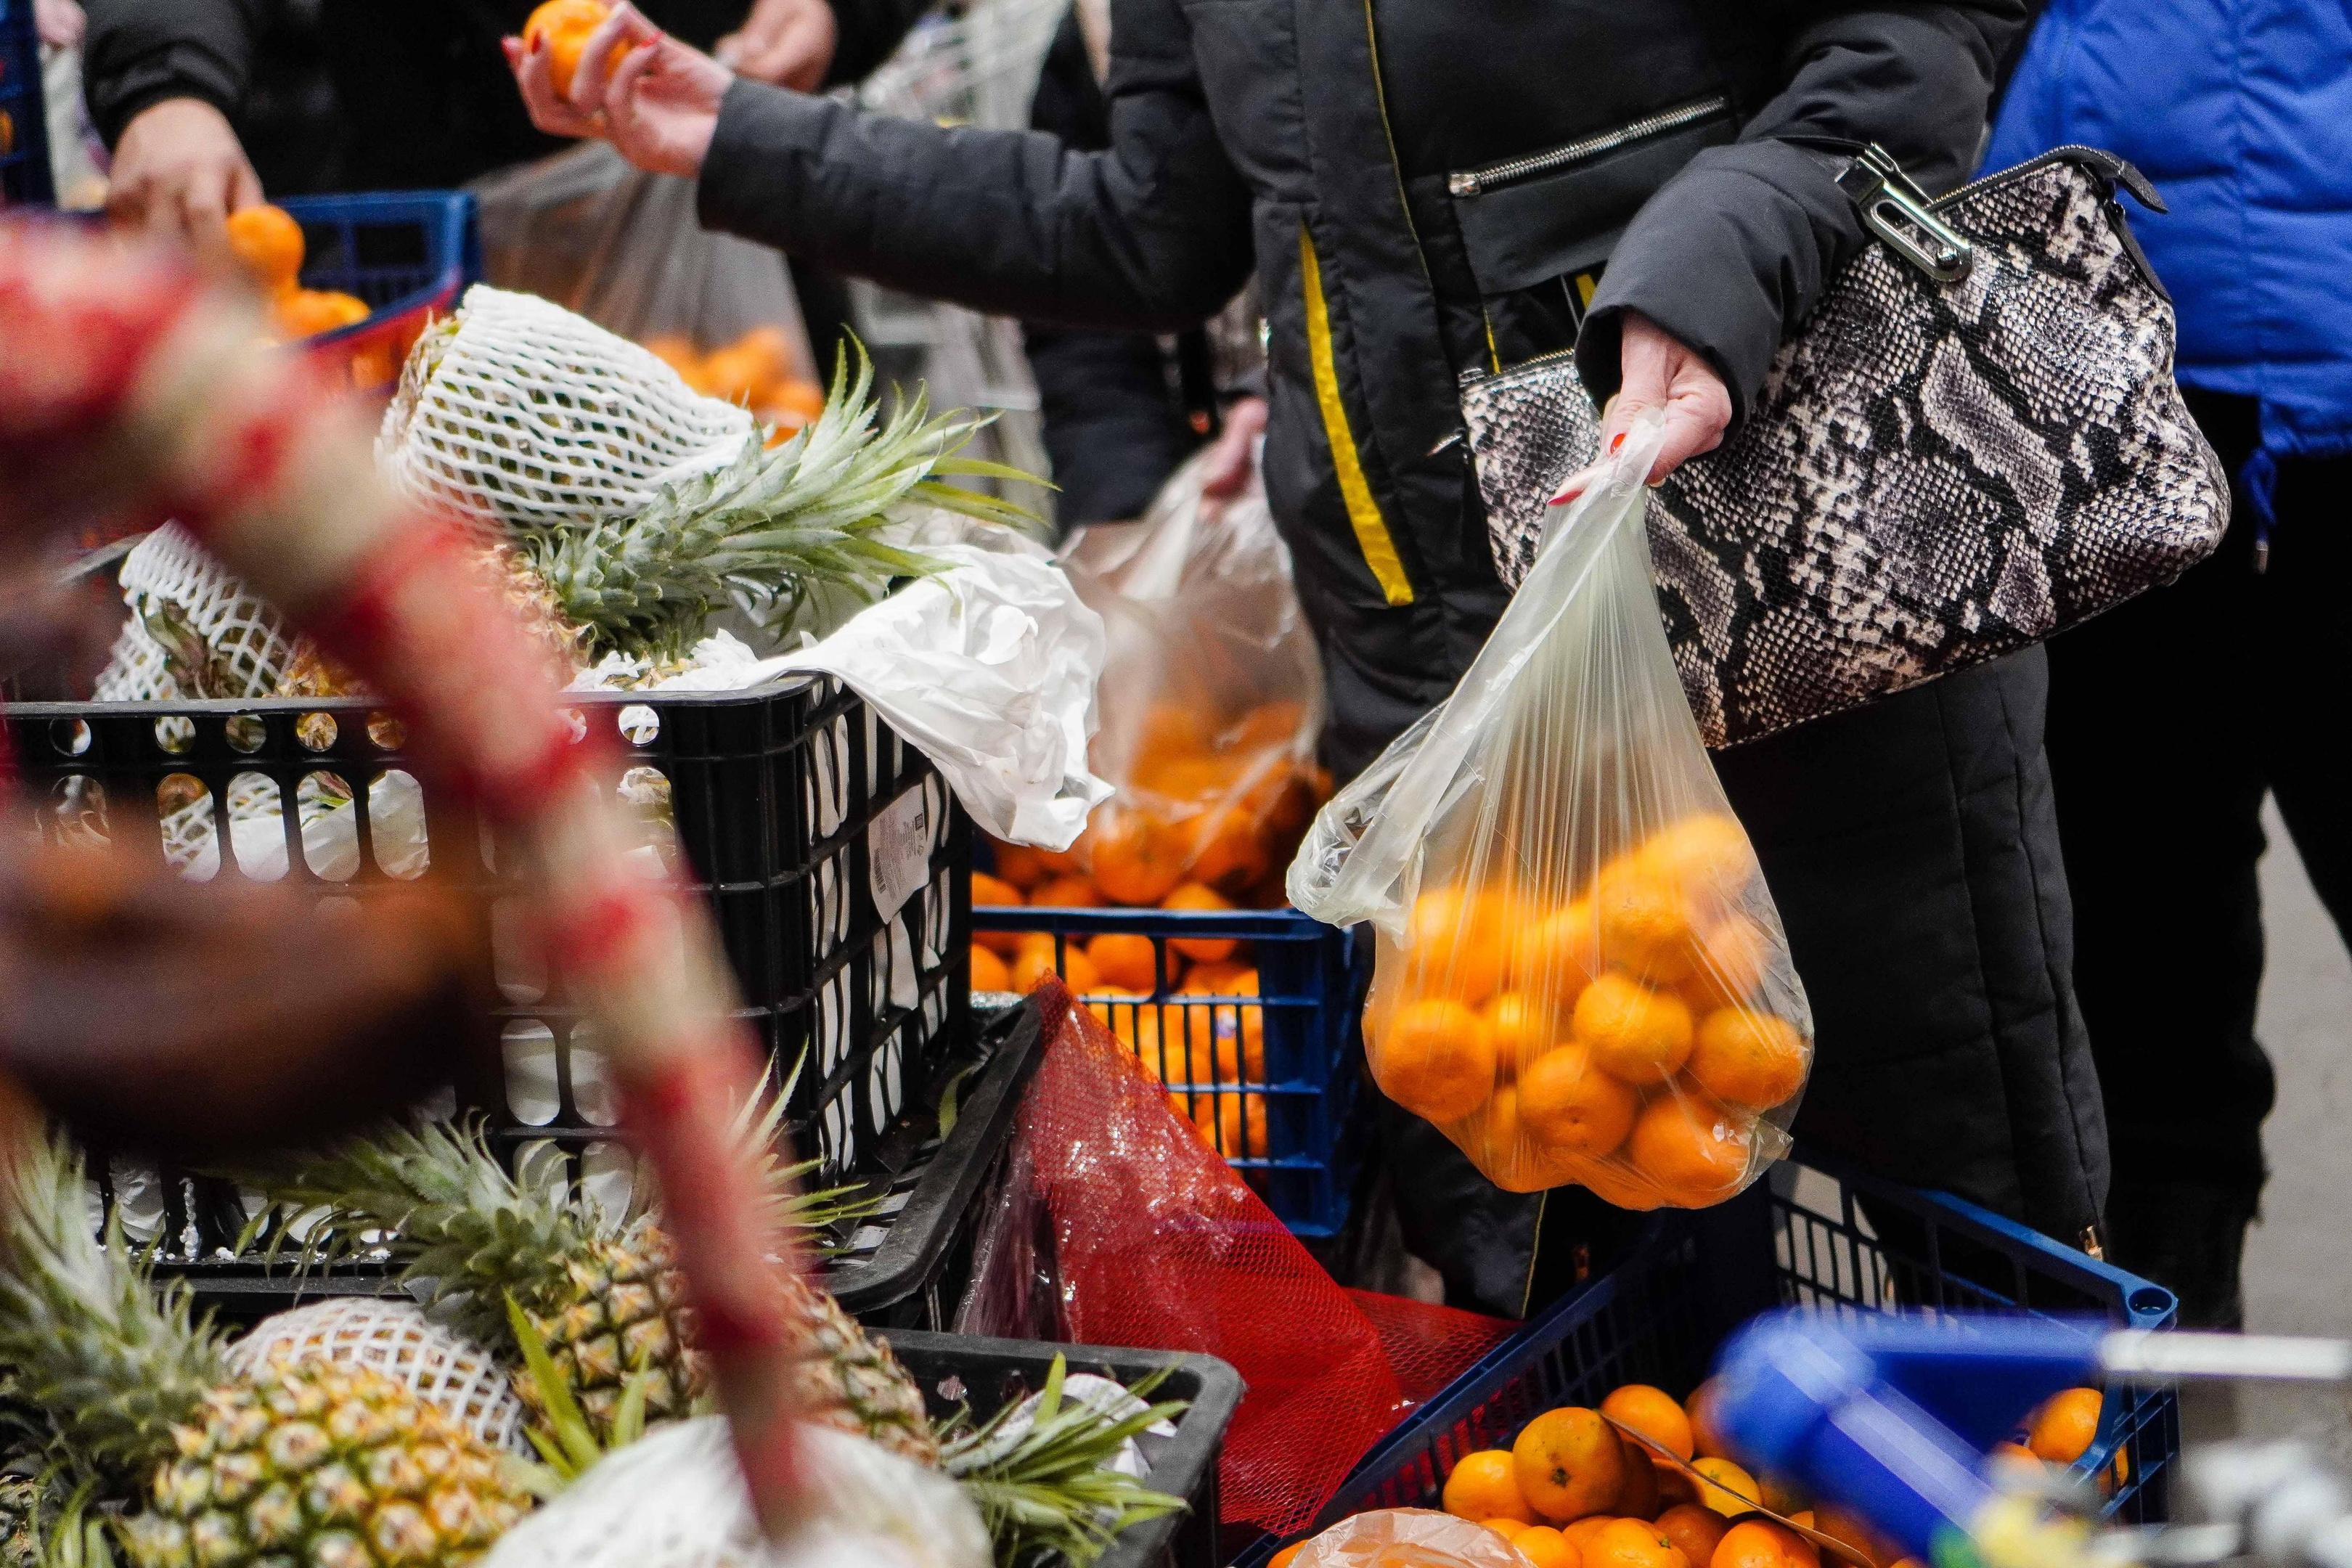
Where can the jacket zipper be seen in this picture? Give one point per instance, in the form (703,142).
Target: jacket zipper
(1477,182)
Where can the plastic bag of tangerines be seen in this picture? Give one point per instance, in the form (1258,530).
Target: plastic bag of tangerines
(1581,977)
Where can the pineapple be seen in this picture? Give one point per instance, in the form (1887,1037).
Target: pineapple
(327,1466)
(600,1291)
(21,1499)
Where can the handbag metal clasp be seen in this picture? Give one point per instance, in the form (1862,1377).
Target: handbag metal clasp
(1897,211)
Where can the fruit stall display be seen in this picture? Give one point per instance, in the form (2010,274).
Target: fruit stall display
(1583,1441)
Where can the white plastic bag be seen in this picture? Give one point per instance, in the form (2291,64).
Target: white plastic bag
(1581,977)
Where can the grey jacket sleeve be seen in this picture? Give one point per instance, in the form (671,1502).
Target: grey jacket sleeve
(140,52)
(1152,234)
(1731,253)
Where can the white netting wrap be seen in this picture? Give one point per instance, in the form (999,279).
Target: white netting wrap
(674,1498)
(455,1376)
(192,623)
(517,412)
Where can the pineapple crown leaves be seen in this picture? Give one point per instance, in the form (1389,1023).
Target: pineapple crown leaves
(1051,1493)
(569,1445)
(110,1364)
(767,528)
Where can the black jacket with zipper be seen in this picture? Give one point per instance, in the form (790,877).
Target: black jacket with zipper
(1425,188)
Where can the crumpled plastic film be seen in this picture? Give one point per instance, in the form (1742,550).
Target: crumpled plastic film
(1408,1538)
(1580,975)
(1119,1225)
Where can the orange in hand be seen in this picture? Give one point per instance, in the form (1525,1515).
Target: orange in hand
(1568,1463)
(1484,1486)
(267,243)
(1637,1033)
(1651,1412)
(1746,1058)
(565,26)
(1434,1057)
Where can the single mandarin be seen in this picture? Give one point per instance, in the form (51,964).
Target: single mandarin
(1282,1558)
(306,312)
(1547,1548)
(1016,864)
(1754,1543)
(1635,1033)
(1434,1057)
(1746,1058)
(1581,1531)
(1067,892)
(267,243)
(564,25)
(1195,896)
(1231,850)
(1556,957)
(1632,1543)
(1454,945)
(1220,980)
(1733,954)
(1697,1153)
(1508,1529)
(1638,1497)
(1646,928)
(1611,1179)
(1654,1412)
(1705,859)
(1567,1103)
(1568,1463)
(1241,1125)
(989,972)
(1694,1529)
(1124,958)
(1138,859)
(1726,1487)
(1485,1485)
(1523,1029)
(992,891)
(2062,1431)
(1850,1533)
(1705,1443)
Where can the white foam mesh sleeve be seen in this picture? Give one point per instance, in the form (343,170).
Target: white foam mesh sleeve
(455,1376)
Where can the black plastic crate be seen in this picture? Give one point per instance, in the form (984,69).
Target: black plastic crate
(992,1374)
(903,1266)
(831,852)
(25,176)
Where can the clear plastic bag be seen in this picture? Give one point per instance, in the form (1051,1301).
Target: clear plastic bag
(1408,1538)
(626,250)
(1581,977)
(1211,700)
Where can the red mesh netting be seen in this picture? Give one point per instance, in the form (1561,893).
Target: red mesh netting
(1120,1227)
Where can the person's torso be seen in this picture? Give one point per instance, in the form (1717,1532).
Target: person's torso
(2240,113)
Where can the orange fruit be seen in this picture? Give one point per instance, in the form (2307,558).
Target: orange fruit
(1282,1558)
(1508,1529)
(1654,1412)
(1784,1500)
(1523,1029)
(1137,858)
(1645,927)
(1435,1058)
(989,971)
(1639,1035)
(267,243)
(1638,1497)
(1556,957)
(1485,1485)
(1454,945)
(1170,729)
(1241,1125)
(1706,859)
(1732,955)
(1579,1532)
(991,891)
(677,351)
(1760,1544)
(1567,1103)
(1185,778)
(565,25)
(1694,1151)
(1268,725)
(1033,965)
(1632,1543)
(1726,1487)
(1743,1056)
(1850,1533)
(1545,1547)
(1207,948)
(1230,852)
(1675,1487)
(1220,980)
(1065,892)
(1695,1529)
(1568,1463)
(1126,958)
(790,403)
(1704,1442)
(1017,865)
(2062,1431)
(306,312)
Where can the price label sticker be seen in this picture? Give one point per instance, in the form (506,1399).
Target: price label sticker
(898,851)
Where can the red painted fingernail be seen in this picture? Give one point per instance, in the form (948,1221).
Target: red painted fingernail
(1617,440)
(1564,498)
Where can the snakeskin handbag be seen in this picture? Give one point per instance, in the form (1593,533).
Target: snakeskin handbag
(1975,441)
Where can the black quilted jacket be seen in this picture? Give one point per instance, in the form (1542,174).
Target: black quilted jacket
(1356,154)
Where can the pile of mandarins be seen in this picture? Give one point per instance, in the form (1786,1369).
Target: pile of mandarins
(1574,1490)
(755,371)
(268,244)
(1624,1037)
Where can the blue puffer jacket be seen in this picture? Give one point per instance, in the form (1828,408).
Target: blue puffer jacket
(2240,111)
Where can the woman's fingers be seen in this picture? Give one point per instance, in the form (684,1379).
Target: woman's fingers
(534,76)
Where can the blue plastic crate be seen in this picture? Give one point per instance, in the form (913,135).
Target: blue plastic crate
(1291,1135)
(25,176)
(1804,1236)
(403,252)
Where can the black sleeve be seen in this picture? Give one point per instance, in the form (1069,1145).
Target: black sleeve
(867,33)
(1731,255)
(1152,234)
(139,52)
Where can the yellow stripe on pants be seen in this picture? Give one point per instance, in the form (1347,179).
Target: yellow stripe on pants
(1363,511)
